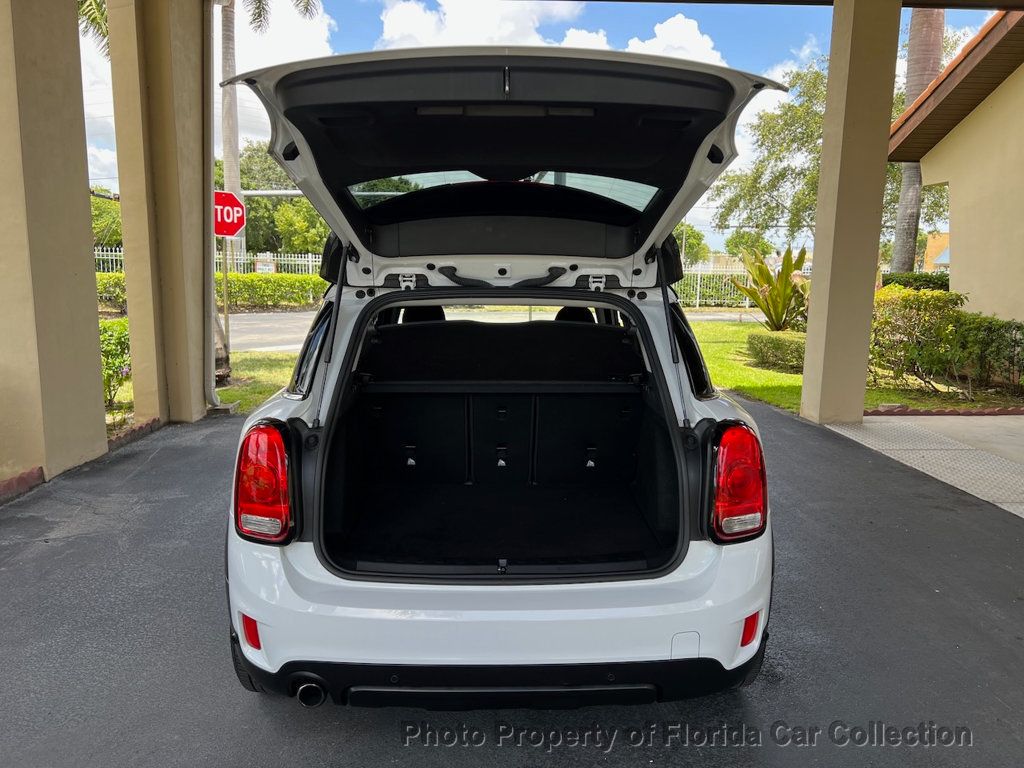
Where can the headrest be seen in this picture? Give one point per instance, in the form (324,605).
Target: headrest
(423,313)
(575,315)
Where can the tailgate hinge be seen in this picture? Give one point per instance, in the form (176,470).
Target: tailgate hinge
(407,282)
(596,282)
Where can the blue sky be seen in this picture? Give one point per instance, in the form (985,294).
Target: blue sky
(763,39)
(750,37)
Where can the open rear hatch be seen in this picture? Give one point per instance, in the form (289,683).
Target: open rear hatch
(470,449)
(456,166)
(459,449)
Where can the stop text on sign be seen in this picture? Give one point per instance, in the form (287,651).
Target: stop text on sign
(228,214)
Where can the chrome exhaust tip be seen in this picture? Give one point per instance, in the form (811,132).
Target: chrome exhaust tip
(310,695)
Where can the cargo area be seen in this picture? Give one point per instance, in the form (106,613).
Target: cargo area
(471,448)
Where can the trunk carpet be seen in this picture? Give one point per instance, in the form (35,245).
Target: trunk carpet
(485,522)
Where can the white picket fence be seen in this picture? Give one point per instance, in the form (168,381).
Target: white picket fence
(112,260)
(288,263)
(109,259)
(701,286)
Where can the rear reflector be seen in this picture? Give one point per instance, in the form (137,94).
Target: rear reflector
(749,629)
(262,509)
(251,631)
(741,504)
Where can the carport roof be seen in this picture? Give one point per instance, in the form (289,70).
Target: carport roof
(985,62)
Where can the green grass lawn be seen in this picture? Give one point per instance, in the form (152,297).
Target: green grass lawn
(255,376)
(258,375)
(725,351)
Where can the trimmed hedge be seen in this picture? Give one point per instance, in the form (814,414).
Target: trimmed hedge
(924,334)
(778,350)
(111,292)
(932,281)
(247,291)
(255,291)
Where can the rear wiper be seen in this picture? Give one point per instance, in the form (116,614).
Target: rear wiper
(468,282)
(535,282)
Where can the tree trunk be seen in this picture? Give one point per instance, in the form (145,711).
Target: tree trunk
(229,148)
(924,60)
(229,100)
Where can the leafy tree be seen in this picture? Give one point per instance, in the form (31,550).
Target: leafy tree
(106,218)
(259,171)
(397,184)
(886,250)
(300,226)
(691,243)
(779,190)
(743,241)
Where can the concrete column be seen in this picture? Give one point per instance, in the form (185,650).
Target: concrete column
(862,65)
(51,393)
(157,49)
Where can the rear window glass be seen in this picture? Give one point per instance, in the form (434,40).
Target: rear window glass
(630,193)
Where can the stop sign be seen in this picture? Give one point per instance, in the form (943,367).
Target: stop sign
(228,214)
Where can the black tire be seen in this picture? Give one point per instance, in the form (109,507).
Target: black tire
(243,676)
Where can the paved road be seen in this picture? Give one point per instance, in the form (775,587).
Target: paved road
(284,331)
(898,599)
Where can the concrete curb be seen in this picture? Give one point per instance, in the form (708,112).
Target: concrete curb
(19,484)
(133,434)
(1002,411)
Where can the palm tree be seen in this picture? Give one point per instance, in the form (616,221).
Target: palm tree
(924,60)
(259,19)
(92,21)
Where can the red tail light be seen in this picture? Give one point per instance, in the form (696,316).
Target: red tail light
(749,629)
(741,500)
(262,509)
(251,630)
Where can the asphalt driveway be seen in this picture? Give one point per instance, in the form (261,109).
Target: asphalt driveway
(899,600)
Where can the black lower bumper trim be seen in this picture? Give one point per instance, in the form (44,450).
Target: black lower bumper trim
(544,686)
(477,697)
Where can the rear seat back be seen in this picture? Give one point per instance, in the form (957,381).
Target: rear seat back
(463,350)
(439,428)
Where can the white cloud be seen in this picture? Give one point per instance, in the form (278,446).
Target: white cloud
(410,23)
(583,38)
(99,114)
(102,167)
(769,99)
(290,37)
(679,36)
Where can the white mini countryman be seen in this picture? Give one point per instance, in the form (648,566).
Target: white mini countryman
(554,510)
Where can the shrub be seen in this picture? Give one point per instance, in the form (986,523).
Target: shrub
(933,281)
(781,295)
(256,291)
(247,291)
(716,290)
(110,291)
(910,331)
(985,352)
(778,350)
(114,355)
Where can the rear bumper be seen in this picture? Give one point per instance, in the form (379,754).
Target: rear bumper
(306,614)
(543,686)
